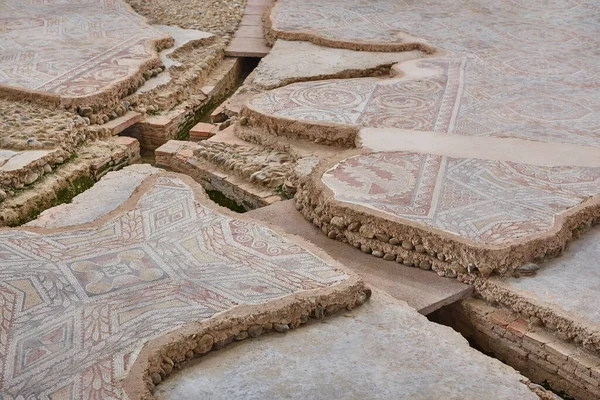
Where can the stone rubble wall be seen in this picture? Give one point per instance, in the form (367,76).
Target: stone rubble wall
(533,350)
(154,131)
(179,156)
(265,167)
(69,179)
(12,180)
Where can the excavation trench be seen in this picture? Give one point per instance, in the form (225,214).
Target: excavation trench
(499,334)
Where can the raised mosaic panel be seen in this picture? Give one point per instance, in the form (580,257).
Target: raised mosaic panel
(510,68)
(76,304)
(490,202)
(71,48)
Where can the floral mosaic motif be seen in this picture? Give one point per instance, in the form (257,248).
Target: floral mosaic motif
(71,326)
(490,202)
(109,272)
(71,48)
(511,69)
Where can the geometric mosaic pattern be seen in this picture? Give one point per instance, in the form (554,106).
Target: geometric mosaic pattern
(489,202)
(526,69)
(75,305)
(71,48)
(372,102)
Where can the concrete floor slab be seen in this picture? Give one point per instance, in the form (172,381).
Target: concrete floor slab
(106,195)
(22,159)
(570,282)
(382,350)
(422,290)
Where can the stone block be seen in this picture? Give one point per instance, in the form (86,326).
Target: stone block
(559,349)
(123,122)
(201,131)
(479,307)
(540,361)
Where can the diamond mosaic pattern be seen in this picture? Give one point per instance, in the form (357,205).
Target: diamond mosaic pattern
(74,305)
(491,202)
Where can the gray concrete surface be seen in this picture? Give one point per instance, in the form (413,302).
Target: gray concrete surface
(382,350)
(423,290)
(571,281)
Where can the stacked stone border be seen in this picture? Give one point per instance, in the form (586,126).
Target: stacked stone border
(531,349)
(179,156)
(161,356)
(405,42)
(64,182)
(326,133)
(413,244)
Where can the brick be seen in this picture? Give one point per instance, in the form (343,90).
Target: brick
(201,131)
(538,336)
(250,31)
(255,10)
(511,337)
(478,307)
(587,378)
(560,349)
(517,349)
(535,348)
(207,90)
(559,362)
(519,327)
(502,318)
(260,3)
(569,366)
(586,359)
(250,20)
(543,363)
(118,125)
(247,47)
(570,377)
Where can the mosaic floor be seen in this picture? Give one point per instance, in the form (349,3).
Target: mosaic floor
(489,202)
(517,68)
(77,304)
(71,48)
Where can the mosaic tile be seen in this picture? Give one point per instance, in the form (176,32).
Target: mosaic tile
(75,304)
(510,69)
(489,202)
(71,48)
